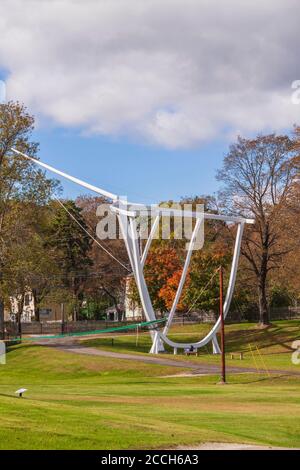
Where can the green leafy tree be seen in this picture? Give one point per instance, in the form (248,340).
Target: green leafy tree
(72,246)
(29,266)
(20,181)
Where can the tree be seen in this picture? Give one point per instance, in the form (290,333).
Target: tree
(203,289)
(288,274)
(162,271)
(29,265)
(19,180)
(257,175)
(296,144)
(165,261)
(72,245)
(106,286)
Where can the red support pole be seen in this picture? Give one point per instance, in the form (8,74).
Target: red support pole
(223,375)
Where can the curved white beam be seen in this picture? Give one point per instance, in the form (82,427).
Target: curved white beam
(141,284)
(183,276)
(211,335)
(149,241)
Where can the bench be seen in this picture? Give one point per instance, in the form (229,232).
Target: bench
(240,355)
(187,352)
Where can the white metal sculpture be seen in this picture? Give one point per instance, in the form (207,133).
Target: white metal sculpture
(128,225)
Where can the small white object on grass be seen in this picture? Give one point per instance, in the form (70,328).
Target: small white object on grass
(21,391)
(2,350)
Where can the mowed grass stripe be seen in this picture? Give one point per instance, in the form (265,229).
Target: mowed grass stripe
(89,402)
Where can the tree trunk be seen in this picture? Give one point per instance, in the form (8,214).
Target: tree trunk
(2,332)
(36,308)
(19,315)
(37,314)
(264,317)
(19,324)
(75,288)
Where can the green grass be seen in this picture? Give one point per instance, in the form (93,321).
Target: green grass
(89,402)
(271,347)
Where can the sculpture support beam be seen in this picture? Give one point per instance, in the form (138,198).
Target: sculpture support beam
(127,221)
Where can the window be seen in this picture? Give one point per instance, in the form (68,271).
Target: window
(45,312)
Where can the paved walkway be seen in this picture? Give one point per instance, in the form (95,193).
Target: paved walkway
(196,369)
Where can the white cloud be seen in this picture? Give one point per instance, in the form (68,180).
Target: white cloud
(172,72)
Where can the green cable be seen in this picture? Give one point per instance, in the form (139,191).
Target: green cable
(93,332)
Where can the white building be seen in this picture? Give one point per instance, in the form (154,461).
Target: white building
(28,312)
(132,310)
(51,312)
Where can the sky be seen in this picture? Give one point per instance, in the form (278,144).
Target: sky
(143,98)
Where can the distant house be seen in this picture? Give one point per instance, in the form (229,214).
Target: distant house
(52,312)
(112,314)
(132,310)
(28,312)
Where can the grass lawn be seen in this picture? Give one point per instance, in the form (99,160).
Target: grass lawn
(270,348)
(89,402)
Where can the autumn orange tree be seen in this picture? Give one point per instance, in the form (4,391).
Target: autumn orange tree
(168,291)
(162,270)
(164,266)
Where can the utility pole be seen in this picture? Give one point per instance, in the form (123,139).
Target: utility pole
(223,374)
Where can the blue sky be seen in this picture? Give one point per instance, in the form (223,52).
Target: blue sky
(144,173)
(144,98)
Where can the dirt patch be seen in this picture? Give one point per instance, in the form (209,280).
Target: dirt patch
(230,446)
